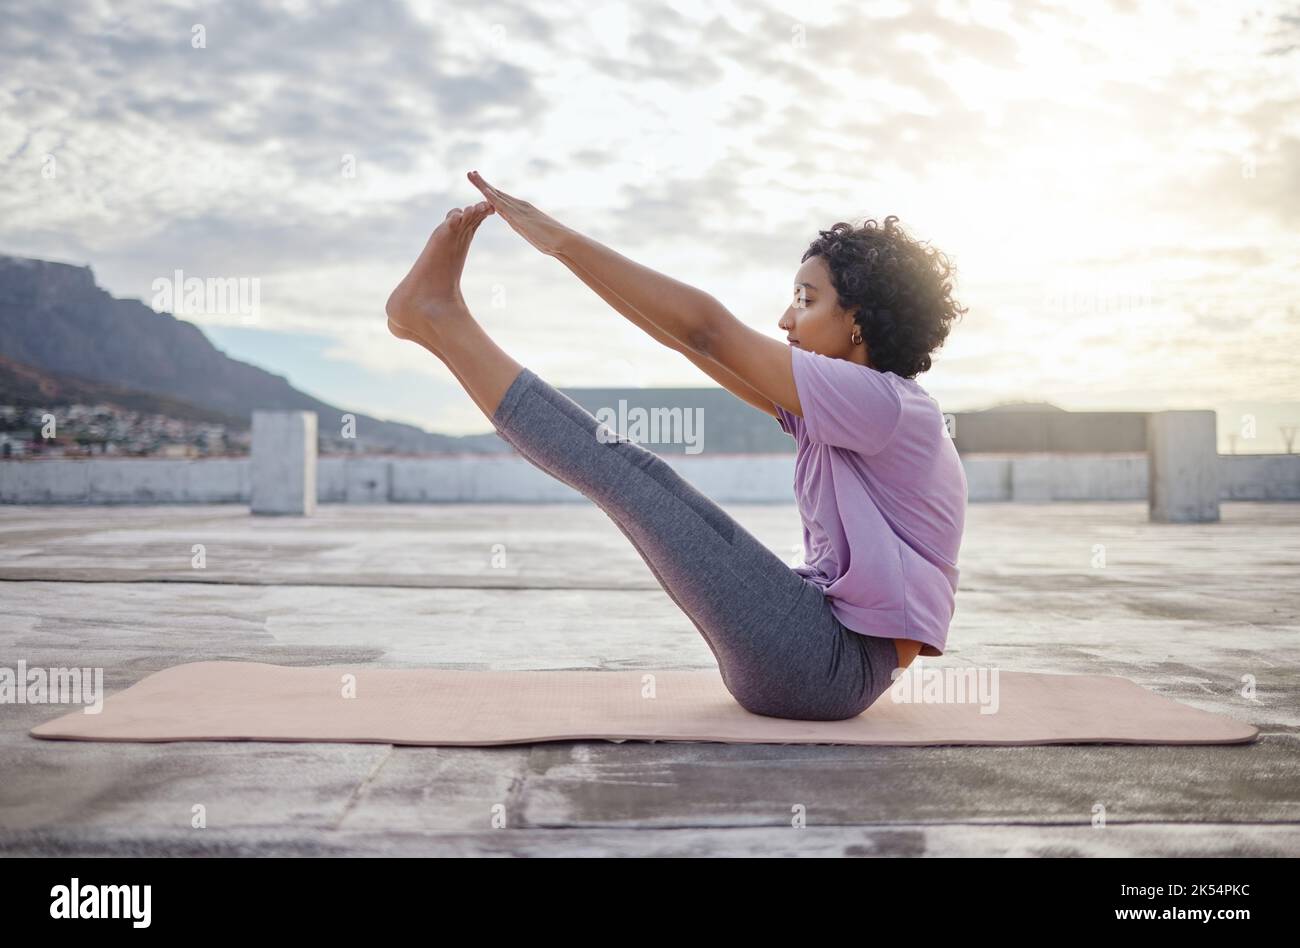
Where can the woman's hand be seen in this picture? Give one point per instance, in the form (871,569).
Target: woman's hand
(541,230)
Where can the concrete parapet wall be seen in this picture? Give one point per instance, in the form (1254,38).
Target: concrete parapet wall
(760,478)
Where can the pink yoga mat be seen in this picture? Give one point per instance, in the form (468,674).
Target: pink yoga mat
(252,701)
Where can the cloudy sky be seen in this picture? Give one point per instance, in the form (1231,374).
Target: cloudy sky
(1118,184)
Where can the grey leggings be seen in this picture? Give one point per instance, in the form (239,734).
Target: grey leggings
(780,649)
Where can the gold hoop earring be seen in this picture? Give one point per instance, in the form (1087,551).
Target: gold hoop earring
(856,338)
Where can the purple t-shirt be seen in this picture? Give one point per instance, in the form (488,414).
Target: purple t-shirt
(882,496)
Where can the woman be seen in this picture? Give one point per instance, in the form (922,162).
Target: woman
(880,489)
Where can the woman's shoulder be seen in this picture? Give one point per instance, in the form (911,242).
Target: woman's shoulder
(914,390)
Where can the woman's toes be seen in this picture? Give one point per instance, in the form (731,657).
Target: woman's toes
(461,216)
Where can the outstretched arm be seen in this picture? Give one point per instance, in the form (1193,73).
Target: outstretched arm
(722,376)
(689,320)
(694,319)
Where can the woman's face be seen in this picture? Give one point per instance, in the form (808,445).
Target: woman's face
(815,321)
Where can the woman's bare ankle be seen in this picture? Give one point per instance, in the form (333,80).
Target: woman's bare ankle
(427,323)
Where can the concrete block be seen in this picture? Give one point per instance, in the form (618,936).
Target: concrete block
(284,462)
(48,481)
(138,480)
(331,480)
(217,481)
(1259,476)
(1031,479)
(475,479)
(739,479)
(1183,466)
(366,480)
(987,478)
(1078,477)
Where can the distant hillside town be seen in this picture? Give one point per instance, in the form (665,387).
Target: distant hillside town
(105,430)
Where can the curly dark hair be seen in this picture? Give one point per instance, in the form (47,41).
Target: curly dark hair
(897,288)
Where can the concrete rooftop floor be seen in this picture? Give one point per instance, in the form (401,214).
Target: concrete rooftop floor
(1186,610)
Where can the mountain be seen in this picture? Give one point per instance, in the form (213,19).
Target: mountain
(55,318)
(1023,407)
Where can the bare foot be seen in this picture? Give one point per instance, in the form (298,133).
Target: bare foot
(429,296)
